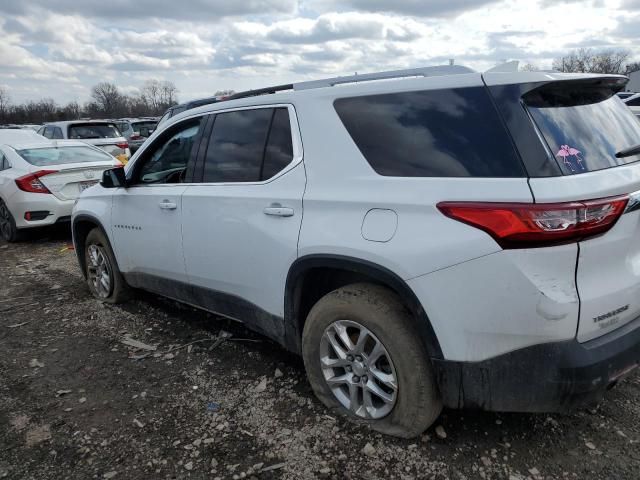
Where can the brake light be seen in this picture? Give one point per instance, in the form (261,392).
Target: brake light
(524,225)
(31,182)
(122,145)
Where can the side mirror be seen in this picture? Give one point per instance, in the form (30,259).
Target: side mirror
(114,178)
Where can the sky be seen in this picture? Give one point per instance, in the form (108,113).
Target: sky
(59,49)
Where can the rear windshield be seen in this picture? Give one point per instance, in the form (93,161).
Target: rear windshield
(584,127)
(42,157)
(93,130)
(144,128)
(434,133)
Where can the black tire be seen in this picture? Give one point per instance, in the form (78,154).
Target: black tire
(379,310)
(118,290)
(8,230)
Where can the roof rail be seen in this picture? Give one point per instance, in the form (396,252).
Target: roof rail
(260,91)
(330,82)
(412,72)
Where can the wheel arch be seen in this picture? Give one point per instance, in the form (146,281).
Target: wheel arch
(312,276)
(80,228)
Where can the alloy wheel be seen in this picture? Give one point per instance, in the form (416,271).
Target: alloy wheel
(99,270)
(358,369)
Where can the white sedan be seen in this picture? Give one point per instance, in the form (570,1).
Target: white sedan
(40,179)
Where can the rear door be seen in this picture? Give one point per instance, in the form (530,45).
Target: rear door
(241,223)
(582,125)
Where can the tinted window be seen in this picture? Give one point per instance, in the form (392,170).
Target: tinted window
(437,133)
(57,133)
(3,162)
(143,129)
(634,102)
(93,130)
(48,132)
(236,146)
(42,157)
(166,160)
(584,127)
(279,151)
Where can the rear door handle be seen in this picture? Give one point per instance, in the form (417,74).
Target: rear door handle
(167,205)
(277,210)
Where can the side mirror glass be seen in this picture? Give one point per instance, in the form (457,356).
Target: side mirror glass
(114,178)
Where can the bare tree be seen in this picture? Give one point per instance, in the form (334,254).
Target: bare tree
(529,67)
(108,99)
(4,103)
(150,93)
(586,60)
(168,94)
(632,67)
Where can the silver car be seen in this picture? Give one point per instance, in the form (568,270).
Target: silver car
(136,130)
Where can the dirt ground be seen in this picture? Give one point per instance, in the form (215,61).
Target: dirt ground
(78,403)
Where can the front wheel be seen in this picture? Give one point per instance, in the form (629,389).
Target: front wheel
(103,276)
(365,360)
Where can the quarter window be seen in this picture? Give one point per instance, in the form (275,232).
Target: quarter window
(166,161)
(434,133)
(3,162)
(279,151)
(57,133)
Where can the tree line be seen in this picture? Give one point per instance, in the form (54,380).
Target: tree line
(107,101)
(588,60)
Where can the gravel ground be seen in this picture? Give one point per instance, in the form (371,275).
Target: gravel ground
(77,403)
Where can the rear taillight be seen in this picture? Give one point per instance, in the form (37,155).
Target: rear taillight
(525,225)
(31,182)
(122,145)
(135,136)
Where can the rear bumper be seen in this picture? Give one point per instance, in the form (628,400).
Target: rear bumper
(551,377)
(59,211)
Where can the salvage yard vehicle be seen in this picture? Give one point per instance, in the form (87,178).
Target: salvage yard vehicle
(136,131)
(102,134)
(443,237)
(40,179)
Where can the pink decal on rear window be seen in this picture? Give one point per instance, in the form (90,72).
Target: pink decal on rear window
(567,152)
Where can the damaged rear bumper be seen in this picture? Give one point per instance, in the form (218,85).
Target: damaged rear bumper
(551,377)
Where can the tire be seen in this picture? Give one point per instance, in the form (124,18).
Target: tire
(100,261)
(8,230)
(414,404)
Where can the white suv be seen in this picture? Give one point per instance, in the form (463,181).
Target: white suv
(443,237)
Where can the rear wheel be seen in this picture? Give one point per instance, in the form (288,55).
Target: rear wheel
(365,360)
(103,276)
(8,229)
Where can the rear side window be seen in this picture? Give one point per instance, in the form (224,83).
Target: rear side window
(248,146)
(93,131)
(435,133)
(57,133)
(584,126)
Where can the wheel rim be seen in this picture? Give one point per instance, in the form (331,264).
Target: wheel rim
(99,270)
(5,221)
(358,369)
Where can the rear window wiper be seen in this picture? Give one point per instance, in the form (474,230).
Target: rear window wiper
(628,152)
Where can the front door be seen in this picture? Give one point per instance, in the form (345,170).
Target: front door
(147,216)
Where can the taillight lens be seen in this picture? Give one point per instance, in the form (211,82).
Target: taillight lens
(122,145)
(524,225)
(31,182)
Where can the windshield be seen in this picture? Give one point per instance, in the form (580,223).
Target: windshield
(42,157)
(584,126)
(93,130)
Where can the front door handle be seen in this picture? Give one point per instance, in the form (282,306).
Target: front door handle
(277,210)
(167,205)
